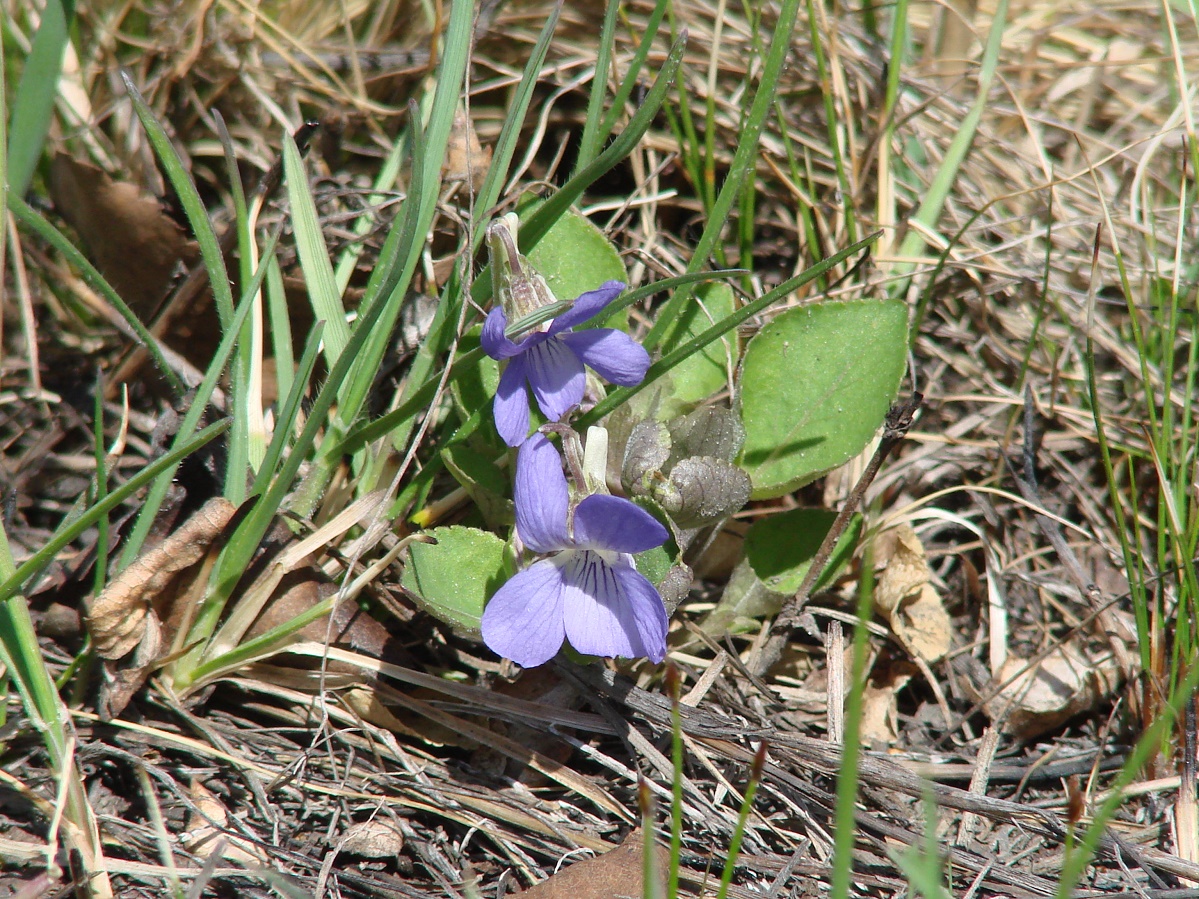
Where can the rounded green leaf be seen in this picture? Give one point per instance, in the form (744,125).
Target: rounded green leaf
(702,374)
(473,387)
(452,578)
(816,384)
(487,486)
(780,548)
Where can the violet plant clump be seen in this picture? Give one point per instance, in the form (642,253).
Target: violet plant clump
(586,588)
(552,360)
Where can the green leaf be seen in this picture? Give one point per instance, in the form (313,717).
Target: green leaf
(574,256)
(780,548)
(702,374)
(816,384)
(452,579)
(484,483)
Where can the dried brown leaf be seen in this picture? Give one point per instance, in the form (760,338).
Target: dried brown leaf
(206,830)
(131,240)
(880,704)
(117,618)
(904,595)
(466,159)
(1040,697)
(616,874)
(375,838)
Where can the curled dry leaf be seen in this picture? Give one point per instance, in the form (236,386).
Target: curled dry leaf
(1035,697)
(134,244)
(646,452)
(207,825)
(465,159)
(375,838)
(617,873)
(708,431)
(118,617)
(701,490)
(904,595)
(880,702)
(670,463)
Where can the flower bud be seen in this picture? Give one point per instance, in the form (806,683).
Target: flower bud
(519,288)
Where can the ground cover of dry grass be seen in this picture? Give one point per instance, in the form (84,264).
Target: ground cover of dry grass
(1062,231)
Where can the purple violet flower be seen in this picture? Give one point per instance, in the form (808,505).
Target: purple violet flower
(551,360)
(587,589)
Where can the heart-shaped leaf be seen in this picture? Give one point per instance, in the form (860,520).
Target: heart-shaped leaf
(815,385)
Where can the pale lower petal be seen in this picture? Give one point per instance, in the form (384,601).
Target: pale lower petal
(556,376)
(541,497)
(587,305)
(616,524)
(523,621)
(613,355)
(511,406)
(610,609)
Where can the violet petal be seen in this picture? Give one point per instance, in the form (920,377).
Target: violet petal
(523,621)
(614,355)
(615,524)
(541,496)
(493,340)
(611,609)
(587,305)
(511,406)
(556,375)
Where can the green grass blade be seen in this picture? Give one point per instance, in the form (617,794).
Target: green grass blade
(505,145)
(33,103)
(832,120)
(592,136)
(423,194)
(388,177)
(189,198)
(279,317)
(289,412)
(22,659)
(652,24)
(671,319)
(845,831)
(33,221)
(246,438)
(265,645)
(934,199)
(314,254)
